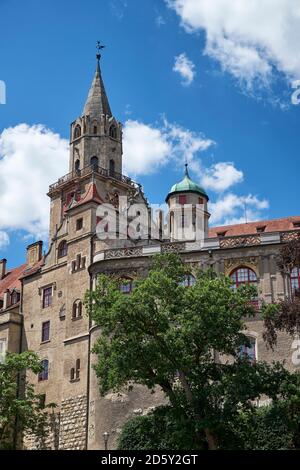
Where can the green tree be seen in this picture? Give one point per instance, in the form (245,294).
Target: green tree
(184,340)
(285,315)
(21,410)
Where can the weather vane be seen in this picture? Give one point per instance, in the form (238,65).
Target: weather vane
(99,47)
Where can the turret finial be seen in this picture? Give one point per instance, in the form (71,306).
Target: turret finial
(99,47)
(186,172)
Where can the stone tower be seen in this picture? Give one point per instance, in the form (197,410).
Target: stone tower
(188,215)
(96,136)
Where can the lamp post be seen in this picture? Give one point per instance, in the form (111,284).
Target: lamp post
(105,438)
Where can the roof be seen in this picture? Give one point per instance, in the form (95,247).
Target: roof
(97,101)
(12,279)
(250,228)
(90,196)
(186,186)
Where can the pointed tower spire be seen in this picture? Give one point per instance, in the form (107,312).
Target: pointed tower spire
(97,101)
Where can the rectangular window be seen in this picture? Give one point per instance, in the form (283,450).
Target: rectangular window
(43,375)
(2,350)
(248,352)
(79,224)
(45,331)
(47,297)
(182,200)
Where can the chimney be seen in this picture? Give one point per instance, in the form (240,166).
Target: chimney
(34,253)
(2,268)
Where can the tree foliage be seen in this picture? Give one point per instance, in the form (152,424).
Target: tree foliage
(21,410)
(184,340)
(285,315)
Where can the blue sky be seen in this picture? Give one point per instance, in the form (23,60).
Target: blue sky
(232,109)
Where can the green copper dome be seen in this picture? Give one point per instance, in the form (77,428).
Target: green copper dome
(186,186)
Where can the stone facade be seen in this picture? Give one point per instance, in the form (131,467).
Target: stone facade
(48,316)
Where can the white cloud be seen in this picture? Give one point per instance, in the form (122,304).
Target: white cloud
(186,69)
(233,209)
(31,158)
(250,39)
(221,176)
(147,148)
(4,239)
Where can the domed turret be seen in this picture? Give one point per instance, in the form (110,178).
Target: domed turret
(186,186)
(188,215)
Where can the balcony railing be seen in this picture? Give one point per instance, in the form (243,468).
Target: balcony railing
(91,169)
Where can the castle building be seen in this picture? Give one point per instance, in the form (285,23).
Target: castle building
(41,301)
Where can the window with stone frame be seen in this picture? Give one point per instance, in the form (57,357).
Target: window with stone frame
(2,350)
(62,249)
(244,275)
(45,331)
(188,281)
(75,371)
(15,297)
(47,297)
(77,132)
(113,131)
(126,286)
(77,309)
(79,224)
(43,375)
(295,279)
(79,263)
(248,351)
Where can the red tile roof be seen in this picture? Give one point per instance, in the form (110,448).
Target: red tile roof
(90,195)
(12,279)
(276,225)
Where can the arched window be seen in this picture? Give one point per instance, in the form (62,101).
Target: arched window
(62,249)
(112,167)
(77,165)
(95,129)
(77,131)
(248,352)
(113,131)
(188,281)
(43,375)
(94,163)
(126,286)
(77,309)
(244,276)
(295,279)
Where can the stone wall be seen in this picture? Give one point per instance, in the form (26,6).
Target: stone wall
(66,430)
(73,423)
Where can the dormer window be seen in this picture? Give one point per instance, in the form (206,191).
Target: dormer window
(296,224)
(261,229)
(221,234)
(15,297)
